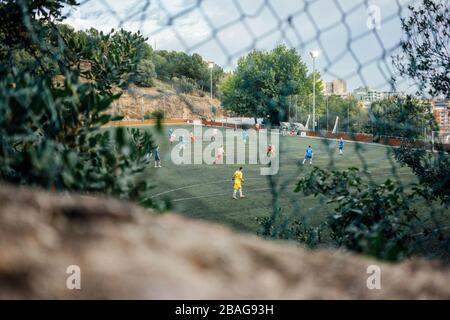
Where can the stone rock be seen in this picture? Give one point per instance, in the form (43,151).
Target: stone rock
(123,251)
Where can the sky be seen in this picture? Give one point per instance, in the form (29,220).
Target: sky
(355,38)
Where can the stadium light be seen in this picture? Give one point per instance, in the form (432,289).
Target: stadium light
(314,55)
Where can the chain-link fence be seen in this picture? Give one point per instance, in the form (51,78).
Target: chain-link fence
(356,41)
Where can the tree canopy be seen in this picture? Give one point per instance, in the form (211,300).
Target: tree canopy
(425,55)
(263,81)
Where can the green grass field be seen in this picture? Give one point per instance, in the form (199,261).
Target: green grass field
(204,191)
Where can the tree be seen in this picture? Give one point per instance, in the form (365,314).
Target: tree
(352,116)
(425,47)
(402,117)
(115,58)
(22,21)
(369,218)
(263,83)
(50,122)
(425,58)
(192,68)
(145,73)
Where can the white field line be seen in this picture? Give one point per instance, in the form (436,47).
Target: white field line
(217,194)
(320,138)
(195,185)
(223,193)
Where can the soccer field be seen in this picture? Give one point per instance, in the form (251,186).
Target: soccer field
(205,191)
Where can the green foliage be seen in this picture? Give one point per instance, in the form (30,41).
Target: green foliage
(402,117)
(145,73)
(369,218)
(50,121)
(170,65)
(115,58)
(432,170)
(21,20)
(425,58)
(425,47)
(292,230)
(184,85)
(352,116)
(263,81)
(50,137)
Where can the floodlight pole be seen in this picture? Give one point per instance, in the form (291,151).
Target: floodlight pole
(314,93)
(211,67)
(348,117)
(211,86)
(314,54)
(327,113)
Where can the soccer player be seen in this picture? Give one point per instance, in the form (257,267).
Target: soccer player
(157,157)
(172,138)
(341,146)
(170,132)
(270,150)
(238,178)
(148,152)
(308,155)
(193,138)
(244,136)
(219,155)
(182,143)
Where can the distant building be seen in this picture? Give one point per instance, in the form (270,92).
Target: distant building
(340,87)
(336,87)
(441,110)
(367,96)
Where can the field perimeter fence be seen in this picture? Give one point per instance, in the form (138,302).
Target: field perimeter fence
(356,43)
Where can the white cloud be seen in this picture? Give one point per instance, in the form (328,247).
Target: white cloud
(256,25)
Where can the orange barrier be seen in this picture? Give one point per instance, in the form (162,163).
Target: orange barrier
(144,122)
(219,124)
(360,137)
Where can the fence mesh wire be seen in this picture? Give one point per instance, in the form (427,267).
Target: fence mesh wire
(234,28)
(200,26)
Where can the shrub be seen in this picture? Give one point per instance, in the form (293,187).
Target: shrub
(50,136)
(184,85)
(369,218)
(295,230)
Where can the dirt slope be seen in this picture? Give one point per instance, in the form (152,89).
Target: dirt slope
(137,102)
(126,252)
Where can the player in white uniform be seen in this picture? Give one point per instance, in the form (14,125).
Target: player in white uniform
(219,155)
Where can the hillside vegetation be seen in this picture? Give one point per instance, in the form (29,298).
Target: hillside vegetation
(144,102)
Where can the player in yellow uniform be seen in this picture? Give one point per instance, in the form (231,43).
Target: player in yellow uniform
(238,178)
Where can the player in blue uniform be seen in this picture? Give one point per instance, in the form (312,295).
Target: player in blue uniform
(157,157)
(308,155)
(148,152)
(341,146)
(182,142)
(244,136)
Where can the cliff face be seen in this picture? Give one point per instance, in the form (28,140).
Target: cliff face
(136,102)
(125,252)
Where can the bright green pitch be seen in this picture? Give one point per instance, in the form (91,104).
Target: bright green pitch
(205,191)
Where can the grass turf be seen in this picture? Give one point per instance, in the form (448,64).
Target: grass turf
(204,191)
